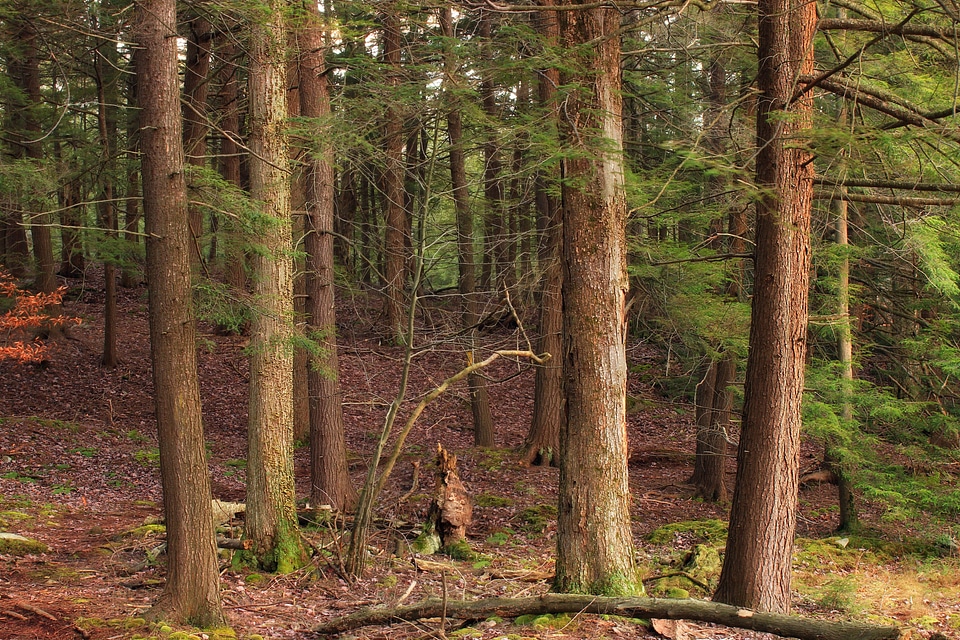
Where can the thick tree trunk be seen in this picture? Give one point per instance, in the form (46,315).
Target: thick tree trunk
(786,626)
(329,478)
(595,552)
(271,521)
(191,592)
(756,568)
(542,444)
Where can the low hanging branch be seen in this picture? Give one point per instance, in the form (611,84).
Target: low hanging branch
(779,624)
(899,201)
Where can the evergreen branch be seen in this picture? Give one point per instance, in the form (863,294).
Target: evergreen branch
(885,28)
(883,101)
(714,258)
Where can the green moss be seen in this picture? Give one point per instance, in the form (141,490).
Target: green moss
(544,621)
(287,555)
(253,578)
(222,633)
(460,550)
(536,518)
(466,632)
(388,581)
(500,537)
(12,544)
(146,530)
(614,585)
(838,595)
(713,532)
(490,500)
(7,518)
(676,593)
(427,543)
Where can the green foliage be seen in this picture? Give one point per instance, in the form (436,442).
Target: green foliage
(713,532)
(534,520)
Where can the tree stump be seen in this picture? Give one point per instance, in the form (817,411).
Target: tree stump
(452,510)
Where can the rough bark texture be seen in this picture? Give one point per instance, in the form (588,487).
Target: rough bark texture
(329,478)
(595,551)
(714,402)
(191,591)
(542,445)
(786,626)
(452,510)
(395,216)
(756,568)
(271,521)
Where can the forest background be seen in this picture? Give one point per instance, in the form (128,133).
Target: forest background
(448,171)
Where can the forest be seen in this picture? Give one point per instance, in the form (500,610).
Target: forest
(543,318)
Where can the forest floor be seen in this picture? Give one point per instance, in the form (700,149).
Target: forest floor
(79,473)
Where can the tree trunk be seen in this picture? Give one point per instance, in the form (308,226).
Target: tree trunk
(756,568)
(669,609)
(848,511)
(329,478)
(714,403)
(271,521)
(595,552)
(542,444)
(105,68)
(25,71)
(483,434)
(191,592)
(195,91)
(236,259)
(130,275)
(395,216)
(494,272)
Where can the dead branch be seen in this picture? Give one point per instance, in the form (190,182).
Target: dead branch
(899,201)
(779,624)
(887,184)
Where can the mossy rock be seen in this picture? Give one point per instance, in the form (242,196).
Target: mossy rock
(466,632)
(703,563)
(17,545)
(427,543)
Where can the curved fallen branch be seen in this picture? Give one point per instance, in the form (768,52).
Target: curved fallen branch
(779,624)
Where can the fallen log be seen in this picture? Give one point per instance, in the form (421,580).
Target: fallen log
(782,625)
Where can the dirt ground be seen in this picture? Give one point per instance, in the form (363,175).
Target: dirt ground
(79,473)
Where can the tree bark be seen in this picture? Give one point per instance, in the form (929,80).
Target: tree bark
(105,70)
(271,511)
(595,552)
(785,626)
(195,91)
(191,592)
(542,445)
(395,222)
(756,568)
(329,478)
(24,67)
